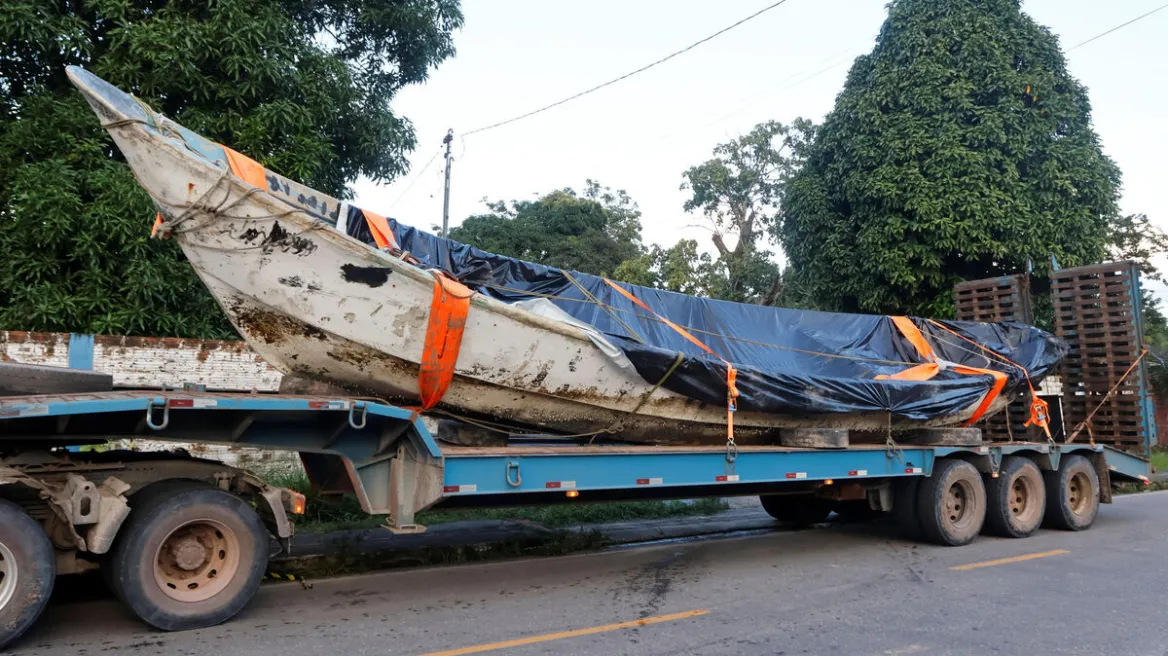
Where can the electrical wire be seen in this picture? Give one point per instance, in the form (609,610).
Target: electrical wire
(1117,27)
(629,74)
(416,177)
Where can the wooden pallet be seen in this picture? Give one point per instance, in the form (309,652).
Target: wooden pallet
(1005,298)
(1097,312)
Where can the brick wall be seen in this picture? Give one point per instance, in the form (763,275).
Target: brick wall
(147,362)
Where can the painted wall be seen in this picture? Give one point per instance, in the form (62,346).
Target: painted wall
(147,362)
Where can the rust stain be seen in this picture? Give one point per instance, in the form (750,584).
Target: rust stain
(271,327)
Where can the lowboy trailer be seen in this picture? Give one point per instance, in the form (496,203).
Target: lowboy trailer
(184,542)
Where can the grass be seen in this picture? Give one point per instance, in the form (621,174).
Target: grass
(1160,459)
(344,513)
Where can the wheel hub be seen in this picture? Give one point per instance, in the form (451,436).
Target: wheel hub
(189,554)
(197,560)
(955,503)
(8,575)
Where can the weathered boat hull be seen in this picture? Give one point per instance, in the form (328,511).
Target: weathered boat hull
(320,305)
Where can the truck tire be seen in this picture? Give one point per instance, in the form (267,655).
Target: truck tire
(189,556)
(1072,494)
(952,503)
(906,506)
(28,570)
(1016,499)
(799,510)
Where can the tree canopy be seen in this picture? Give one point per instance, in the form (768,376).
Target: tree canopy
(959,148)
(739,192)
(302,87)
(592,233)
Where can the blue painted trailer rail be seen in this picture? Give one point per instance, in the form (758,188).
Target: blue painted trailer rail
(389,459)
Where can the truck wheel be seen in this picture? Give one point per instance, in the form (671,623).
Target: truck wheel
(906,506)
(1072,494)
(1015,500)
(28,570)
(189,556)
(952,503)
(796,509)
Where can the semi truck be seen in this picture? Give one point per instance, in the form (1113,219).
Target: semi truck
(184,542)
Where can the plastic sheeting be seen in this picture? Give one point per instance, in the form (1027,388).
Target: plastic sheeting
(788,361)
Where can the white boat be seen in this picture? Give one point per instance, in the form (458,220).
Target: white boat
(318,304)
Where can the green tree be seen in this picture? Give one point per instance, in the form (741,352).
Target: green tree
(302,87)
(739,192)
(591,233)
(679,268)
(959,148)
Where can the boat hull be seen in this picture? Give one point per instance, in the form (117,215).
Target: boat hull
(320,305)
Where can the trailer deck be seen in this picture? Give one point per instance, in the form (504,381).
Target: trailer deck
(388,458)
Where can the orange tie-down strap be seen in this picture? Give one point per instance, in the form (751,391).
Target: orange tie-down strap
(244,168)
(931,367)
(443,339)
(379,228)
(731,372)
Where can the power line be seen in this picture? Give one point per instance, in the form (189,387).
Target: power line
(1122,25)
(630,74)
(415,179)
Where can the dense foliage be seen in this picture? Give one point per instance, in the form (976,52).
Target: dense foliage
(302,87)
(959,148)
(593,232)
(739,192)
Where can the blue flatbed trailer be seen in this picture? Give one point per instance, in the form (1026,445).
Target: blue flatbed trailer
(388,459)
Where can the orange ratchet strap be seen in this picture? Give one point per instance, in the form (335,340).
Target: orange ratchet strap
(931,367)
(1039,409)
(443,338)
(731,372)
(244,168)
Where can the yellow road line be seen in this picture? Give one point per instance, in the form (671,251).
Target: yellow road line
(1011,559)
(567,634)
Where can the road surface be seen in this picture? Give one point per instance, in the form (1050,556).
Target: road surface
(846,589)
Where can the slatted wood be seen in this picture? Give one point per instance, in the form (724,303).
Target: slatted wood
(1005,298)
(1096,311)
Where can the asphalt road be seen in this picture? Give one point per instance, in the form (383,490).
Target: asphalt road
(846,589)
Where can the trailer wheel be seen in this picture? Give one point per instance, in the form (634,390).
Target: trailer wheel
(28,570)
(1016,499)
(190,556)
(1072,494)
(952,503)
(906,506)
(799,510)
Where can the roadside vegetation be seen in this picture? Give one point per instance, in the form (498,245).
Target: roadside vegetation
(344,513)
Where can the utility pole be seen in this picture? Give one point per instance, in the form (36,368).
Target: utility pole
(446,195)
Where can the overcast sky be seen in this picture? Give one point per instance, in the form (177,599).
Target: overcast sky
(640,134)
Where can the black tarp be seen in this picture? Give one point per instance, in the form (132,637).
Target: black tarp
(788,361)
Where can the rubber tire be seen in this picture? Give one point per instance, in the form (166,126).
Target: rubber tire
(1059,513)
(935,526)
(799,510)
(906,506)
(1000,519)
(36,563)
(155,512)
(855,511)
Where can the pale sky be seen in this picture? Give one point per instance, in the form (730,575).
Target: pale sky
(642,133)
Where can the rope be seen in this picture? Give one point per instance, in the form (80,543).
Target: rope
(1086,423)
(557,297)
(604,306)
